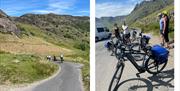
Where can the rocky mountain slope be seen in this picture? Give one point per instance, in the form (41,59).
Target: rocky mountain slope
(6,25)
(140,11)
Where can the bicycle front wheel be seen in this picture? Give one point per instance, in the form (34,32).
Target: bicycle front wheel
(154,67)
(116,77)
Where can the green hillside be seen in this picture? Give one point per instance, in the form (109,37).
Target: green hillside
(34,36)
(140,11)
(150,23)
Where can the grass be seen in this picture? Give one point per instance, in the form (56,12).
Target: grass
(23,68)
(150,23)
(83,58)
(34,41)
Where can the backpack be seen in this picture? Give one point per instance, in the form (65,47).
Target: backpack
(108,44)
(160,54)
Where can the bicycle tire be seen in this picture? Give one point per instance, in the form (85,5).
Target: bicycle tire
(158,67)
(116,77)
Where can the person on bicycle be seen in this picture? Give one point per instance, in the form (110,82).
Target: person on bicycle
(61,57)
(161,25)
(165,30)
(126,33)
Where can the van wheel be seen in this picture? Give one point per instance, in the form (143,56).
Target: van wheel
(96,39)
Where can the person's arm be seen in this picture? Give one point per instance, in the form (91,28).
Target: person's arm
(164,26)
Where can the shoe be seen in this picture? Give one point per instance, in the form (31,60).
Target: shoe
(161,44)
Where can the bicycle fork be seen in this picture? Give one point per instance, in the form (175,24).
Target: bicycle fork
(121,64)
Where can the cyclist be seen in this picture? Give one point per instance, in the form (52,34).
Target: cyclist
(165,30)
(126,33)
(116,31)
(161,25)
(61,57)
(115,36)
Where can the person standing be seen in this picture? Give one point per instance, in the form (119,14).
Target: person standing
(165,28)
(115,36)
(126,33)
(161,26)
(116,31)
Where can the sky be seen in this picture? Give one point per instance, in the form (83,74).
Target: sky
(115,7)
(67,7)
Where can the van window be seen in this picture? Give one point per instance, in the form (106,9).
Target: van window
(100,29)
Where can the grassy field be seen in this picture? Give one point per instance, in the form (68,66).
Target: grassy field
(23,68)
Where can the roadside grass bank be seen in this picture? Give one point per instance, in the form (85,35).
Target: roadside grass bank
(23,68)
(83,58)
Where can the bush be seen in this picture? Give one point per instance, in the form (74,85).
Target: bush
(82,46)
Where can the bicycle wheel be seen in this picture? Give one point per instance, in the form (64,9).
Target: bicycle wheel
(154,67)
(116,77)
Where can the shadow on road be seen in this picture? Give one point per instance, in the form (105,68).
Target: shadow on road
(161,79)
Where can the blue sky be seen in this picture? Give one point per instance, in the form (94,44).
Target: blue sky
(69,7)
(115,7)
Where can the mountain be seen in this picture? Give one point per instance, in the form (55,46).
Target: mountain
(6,25)
(47,34)
(140,11)
(109,21)
(63,30)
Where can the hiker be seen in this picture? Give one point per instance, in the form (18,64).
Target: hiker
(165,28)
(126,32)
(61,57)
(161,25)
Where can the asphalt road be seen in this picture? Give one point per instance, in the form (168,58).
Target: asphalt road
(69,79)
(105,67)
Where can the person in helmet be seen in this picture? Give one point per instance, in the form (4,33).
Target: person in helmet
(165,29)
(126,32)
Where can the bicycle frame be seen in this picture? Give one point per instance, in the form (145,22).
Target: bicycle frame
(127,54)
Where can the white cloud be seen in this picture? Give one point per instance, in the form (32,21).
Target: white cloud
(113,9)
(56,6)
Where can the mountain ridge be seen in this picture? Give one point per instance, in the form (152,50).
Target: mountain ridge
(140,10)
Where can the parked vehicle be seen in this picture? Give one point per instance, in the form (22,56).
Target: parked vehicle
(102,33)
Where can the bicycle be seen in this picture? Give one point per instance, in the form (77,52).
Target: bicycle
(138,46)
(148,64)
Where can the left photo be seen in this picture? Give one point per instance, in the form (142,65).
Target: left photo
(44,45)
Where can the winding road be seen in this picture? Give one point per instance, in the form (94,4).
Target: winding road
(69,79)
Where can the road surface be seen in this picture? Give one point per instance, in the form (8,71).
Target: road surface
(69,79)
(105,67)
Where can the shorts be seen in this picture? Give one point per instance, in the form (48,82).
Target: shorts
(166,37)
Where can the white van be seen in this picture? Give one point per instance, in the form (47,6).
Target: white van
(102,33)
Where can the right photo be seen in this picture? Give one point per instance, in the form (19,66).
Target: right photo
(134,43)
